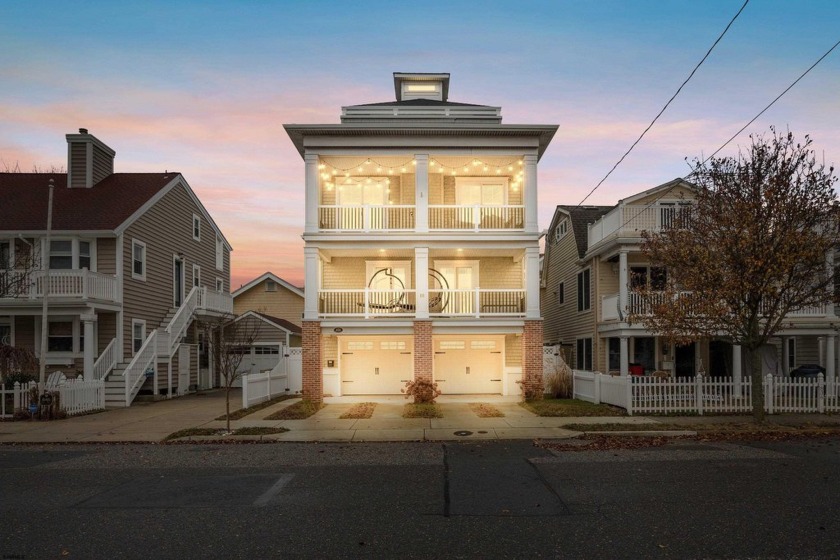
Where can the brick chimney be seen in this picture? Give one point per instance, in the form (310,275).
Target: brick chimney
(89,160)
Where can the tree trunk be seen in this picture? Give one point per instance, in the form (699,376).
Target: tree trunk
(227,405)
(754,359)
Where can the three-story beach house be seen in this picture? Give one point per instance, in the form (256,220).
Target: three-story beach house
(421,246)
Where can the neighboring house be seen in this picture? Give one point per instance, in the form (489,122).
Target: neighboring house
(421,246)
(134,259)
(272,337)
(270,295)
(592,262)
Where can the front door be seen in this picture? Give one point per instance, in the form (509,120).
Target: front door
(461,278)
(178,281)
(684,360)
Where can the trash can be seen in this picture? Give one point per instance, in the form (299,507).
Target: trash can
(637,369)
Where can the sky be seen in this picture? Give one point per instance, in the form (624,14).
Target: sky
(204,87)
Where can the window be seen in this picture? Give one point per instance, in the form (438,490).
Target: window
(392,345)
(196,275)
(356,191)
(84,254)
(5,254)
(583,290)
(483,344)
(483,191)
(138,260)
(220,285)
(220,253)
(452,345)
(615,354)
(360,345)
(61,254)
(583,354)
(60,336)
(6,332)
(642,277)
(561,293)
(138,334)
(196,228)
(561,230)
(791,342)
(266,350)
(270,285)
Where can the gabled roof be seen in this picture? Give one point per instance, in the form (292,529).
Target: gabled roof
(581,216)
(104,207)
(282,324)
(679,181)
(266,276)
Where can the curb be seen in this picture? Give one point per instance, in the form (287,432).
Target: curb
(643,433)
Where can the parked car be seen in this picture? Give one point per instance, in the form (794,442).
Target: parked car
(808,370)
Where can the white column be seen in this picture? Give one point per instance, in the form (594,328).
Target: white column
(421,282)
(625,356)
(421,193)
(530,193)
(312,283)
(622,283)
(88,321)
(830,363)
(736,366)
(829,266)
(532,283)
(313,193)
(785,355)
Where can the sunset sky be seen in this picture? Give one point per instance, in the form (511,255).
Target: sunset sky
(204,88)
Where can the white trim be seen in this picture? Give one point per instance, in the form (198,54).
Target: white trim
(589,289)
(196,277)
(481,182)
(134,275)
(134,322)
(196,224)
(274,277)
(265,320)
(461,263)
(220,253)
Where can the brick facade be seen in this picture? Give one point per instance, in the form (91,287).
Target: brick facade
(423,351)
(313,377)
(532,358)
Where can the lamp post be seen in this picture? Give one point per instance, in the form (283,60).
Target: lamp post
(46,287)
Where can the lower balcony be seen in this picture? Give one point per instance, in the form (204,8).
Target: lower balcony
(59,284)
(475,303)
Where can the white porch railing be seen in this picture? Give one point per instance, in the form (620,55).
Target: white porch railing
(631,220)
(82,284)
(402,303)
(367,217)
(476,302)
(211,300)
(106,361)
(703,394)
(476,218)
(179,323)
(135,372)
(367,303)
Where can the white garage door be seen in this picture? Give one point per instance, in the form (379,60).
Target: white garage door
(469,364)
(375,365)
(260,357)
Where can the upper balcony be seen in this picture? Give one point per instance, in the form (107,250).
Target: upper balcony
(632,219)
(74,285)
(421,193)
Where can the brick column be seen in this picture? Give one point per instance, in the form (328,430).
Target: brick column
(532,359)
(313,377)
(423,350)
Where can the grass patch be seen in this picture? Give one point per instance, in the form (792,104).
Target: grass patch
(243,412)
(484,410)
(570,407)
(298,411)
(359,411)
(193,432)
(422,410)
(258,431)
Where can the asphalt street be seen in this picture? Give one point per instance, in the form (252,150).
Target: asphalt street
(420,500)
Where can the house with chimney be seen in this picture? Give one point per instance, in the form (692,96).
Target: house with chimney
(126,269)
(421,246)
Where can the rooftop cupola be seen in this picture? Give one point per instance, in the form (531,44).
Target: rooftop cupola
(89,160)
(409,87)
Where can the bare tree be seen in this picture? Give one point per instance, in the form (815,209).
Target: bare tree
(230,339)
(19,258)
(757,246)
(6,167)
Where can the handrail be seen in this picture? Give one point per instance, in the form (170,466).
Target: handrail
(106,361)
(135,373)
(182,318)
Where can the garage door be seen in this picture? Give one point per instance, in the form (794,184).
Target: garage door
(469,364)
(376,365)
(260,357)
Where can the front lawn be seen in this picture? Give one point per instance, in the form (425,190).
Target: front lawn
(422,410)
(298,411)
(243,412)
(570,407)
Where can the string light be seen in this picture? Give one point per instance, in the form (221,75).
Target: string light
(477,165)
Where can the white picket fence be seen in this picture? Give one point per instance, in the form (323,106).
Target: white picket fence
(76,397)
(702,395)
(285,379)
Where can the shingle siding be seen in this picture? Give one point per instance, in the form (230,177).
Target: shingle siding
(282,303)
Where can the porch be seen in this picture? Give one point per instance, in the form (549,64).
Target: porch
(78,285)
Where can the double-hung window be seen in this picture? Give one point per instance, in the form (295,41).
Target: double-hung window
(584,290)
(138,260)
(584,354)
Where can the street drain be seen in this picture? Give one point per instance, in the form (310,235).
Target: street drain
(463,433)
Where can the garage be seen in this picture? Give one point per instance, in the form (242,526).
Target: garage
(375,365)
(469,364)
(258,358)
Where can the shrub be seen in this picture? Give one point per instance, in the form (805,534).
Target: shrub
(10,379)
(558,381)
(423,391)
(16,362)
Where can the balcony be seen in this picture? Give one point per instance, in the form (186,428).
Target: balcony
(632,219)
(369,303)
(638,306)
(476,218)
(366,218)
(82,285)
(401,218)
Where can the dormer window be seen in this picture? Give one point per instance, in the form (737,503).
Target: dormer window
(270,285)
(561,230)
(411,86)
(421,90)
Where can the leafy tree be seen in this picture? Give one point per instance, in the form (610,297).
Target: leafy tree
(757,246)
(230,340)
